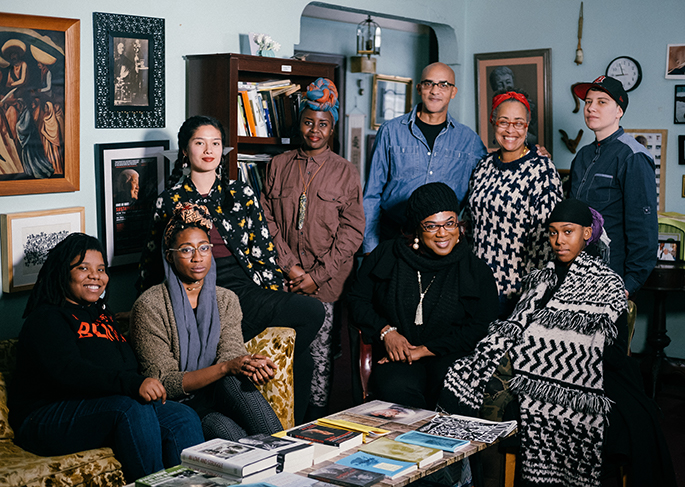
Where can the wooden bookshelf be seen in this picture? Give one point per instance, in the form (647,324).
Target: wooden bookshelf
(212,89)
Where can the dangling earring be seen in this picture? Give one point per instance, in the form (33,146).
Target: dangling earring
(185,165)
(415,245)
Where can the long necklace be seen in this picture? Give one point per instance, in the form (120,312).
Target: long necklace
(302,209)
(418,319)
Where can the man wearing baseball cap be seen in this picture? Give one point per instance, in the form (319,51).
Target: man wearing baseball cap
(615,176)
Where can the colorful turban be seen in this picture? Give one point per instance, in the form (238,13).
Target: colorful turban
(322,96)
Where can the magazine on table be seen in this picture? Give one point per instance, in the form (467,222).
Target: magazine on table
(373,463)
(346,476)
(418,454)
(468,428)
(392,412)
(432,441)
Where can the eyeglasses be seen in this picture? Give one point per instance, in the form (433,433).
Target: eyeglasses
(429,84)
(188,252)
(504,124)
(434,227)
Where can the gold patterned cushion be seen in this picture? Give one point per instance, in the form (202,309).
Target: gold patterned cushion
(279,345)
(6,432)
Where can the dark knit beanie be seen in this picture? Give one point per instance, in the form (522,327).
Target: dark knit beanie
(572,211)
(428,200)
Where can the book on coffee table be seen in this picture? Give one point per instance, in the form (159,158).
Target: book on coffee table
(230,457)
(432,441)
(373,463)
(180,476)
(346,476)
(343,439)
(420,455)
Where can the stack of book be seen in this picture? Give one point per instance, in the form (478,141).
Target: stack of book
(230,460)
(181,476)
(268,108)
(292,455)
(328,442)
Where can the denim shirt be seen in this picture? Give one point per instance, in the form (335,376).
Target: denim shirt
(615,176)
(402,161)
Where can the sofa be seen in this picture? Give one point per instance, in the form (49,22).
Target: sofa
(99,467)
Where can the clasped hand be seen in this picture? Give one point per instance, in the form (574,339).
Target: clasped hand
(398,349)
(301,282)
(258,368)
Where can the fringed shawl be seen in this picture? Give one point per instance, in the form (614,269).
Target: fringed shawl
(557,352)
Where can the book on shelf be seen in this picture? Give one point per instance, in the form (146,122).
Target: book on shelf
(342,439)
(418,438)
(253,477)
(257,113)
(392,412)
(229,457)
(180,476)
(346,476)
(468,428)
(272,115)
(242,122)
(273,84)
(292,455)
(267,115)
(249,116)
(422,456)
(389,467)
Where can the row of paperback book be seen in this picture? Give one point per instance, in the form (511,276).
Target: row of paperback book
(271,460)
(252,170)
(268,108)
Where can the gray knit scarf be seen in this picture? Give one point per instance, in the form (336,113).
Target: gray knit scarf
(198,337)
(557,353)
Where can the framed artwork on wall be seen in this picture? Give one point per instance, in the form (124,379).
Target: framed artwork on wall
(675,61)
(679,104)
(129,78)
(39,104)
(391,98)
(655,142)
(28,237)
(681,150)
(529,71)
(132,174)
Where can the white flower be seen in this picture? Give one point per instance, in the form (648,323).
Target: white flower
(266,43)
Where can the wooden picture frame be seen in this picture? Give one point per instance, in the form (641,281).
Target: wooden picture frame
(679,104)
(129,79)
(391,98)
(655,141)
(529,71)
(131,176)
(42,57)
(675,61)
(26,239)
(668,251)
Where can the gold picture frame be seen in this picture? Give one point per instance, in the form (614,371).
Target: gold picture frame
(26,239)
(391,98)
(655,141)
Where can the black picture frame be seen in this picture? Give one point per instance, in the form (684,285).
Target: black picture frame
(679,104)
(668,251)
(129,71)
(528,70)
(681,150)
(125,212)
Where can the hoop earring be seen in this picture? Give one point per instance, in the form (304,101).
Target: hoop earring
(415,245)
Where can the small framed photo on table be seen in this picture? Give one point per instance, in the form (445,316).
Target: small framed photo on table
(668,250)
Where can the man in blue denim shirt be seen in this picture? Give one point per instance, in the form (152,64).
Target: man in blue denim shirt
(423,146)
(615,176)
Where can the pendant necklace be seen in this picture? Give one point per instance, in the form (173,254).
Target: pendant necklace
(418,319)
(191,288)
(302,208)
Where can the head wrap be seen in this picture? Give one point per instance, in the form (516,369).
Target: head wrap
(321,96)
(497,100)
(428,200)
(187,215)
(571,211)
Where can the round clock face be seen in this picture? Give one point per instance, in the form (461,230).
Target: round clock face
(627,70)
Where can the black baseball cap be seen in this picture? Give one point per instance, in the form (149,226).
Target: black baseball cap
(611,86)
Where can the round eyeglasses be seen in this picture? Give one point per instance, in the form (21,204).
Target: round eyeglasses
(188,252)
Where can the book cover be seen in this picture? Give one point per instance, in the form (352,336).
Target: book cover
(406,452)
(241,122)
(248,113)
(432,441)
(229,457)
(292,454)
(321,452)
(346,476)
(392,412)
(253,477)
(180,476)
(327,435)
(373,463)
(267,115)
(468,428)
(258,113)
(273,113)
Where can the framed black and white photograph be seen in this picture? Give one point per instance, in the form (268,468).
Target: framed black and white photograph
(655,141)
(675,61)
(668,250)
(391,98)
(132,174)
(129,78)
(679,104)
(27,237)
(529,71)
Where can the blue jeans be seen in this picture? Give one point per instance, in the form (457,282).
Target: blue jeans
(145,437)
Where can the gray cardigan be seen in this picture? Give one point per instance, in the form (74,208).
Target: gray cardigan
(154,336)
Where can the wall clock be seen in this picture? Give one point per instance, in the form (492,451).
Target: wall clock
(627,70)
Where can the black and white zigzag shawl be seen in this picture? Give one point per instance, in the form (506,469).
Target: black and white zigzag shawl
(557,353)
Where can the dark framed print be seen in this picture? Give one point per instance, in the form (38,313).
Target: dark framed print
(668,250)
(679,104)
(39,104)
(27,237)
(655,141)
(391,98)
(526,70)
(129,78)
(132,174)
(681,150)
